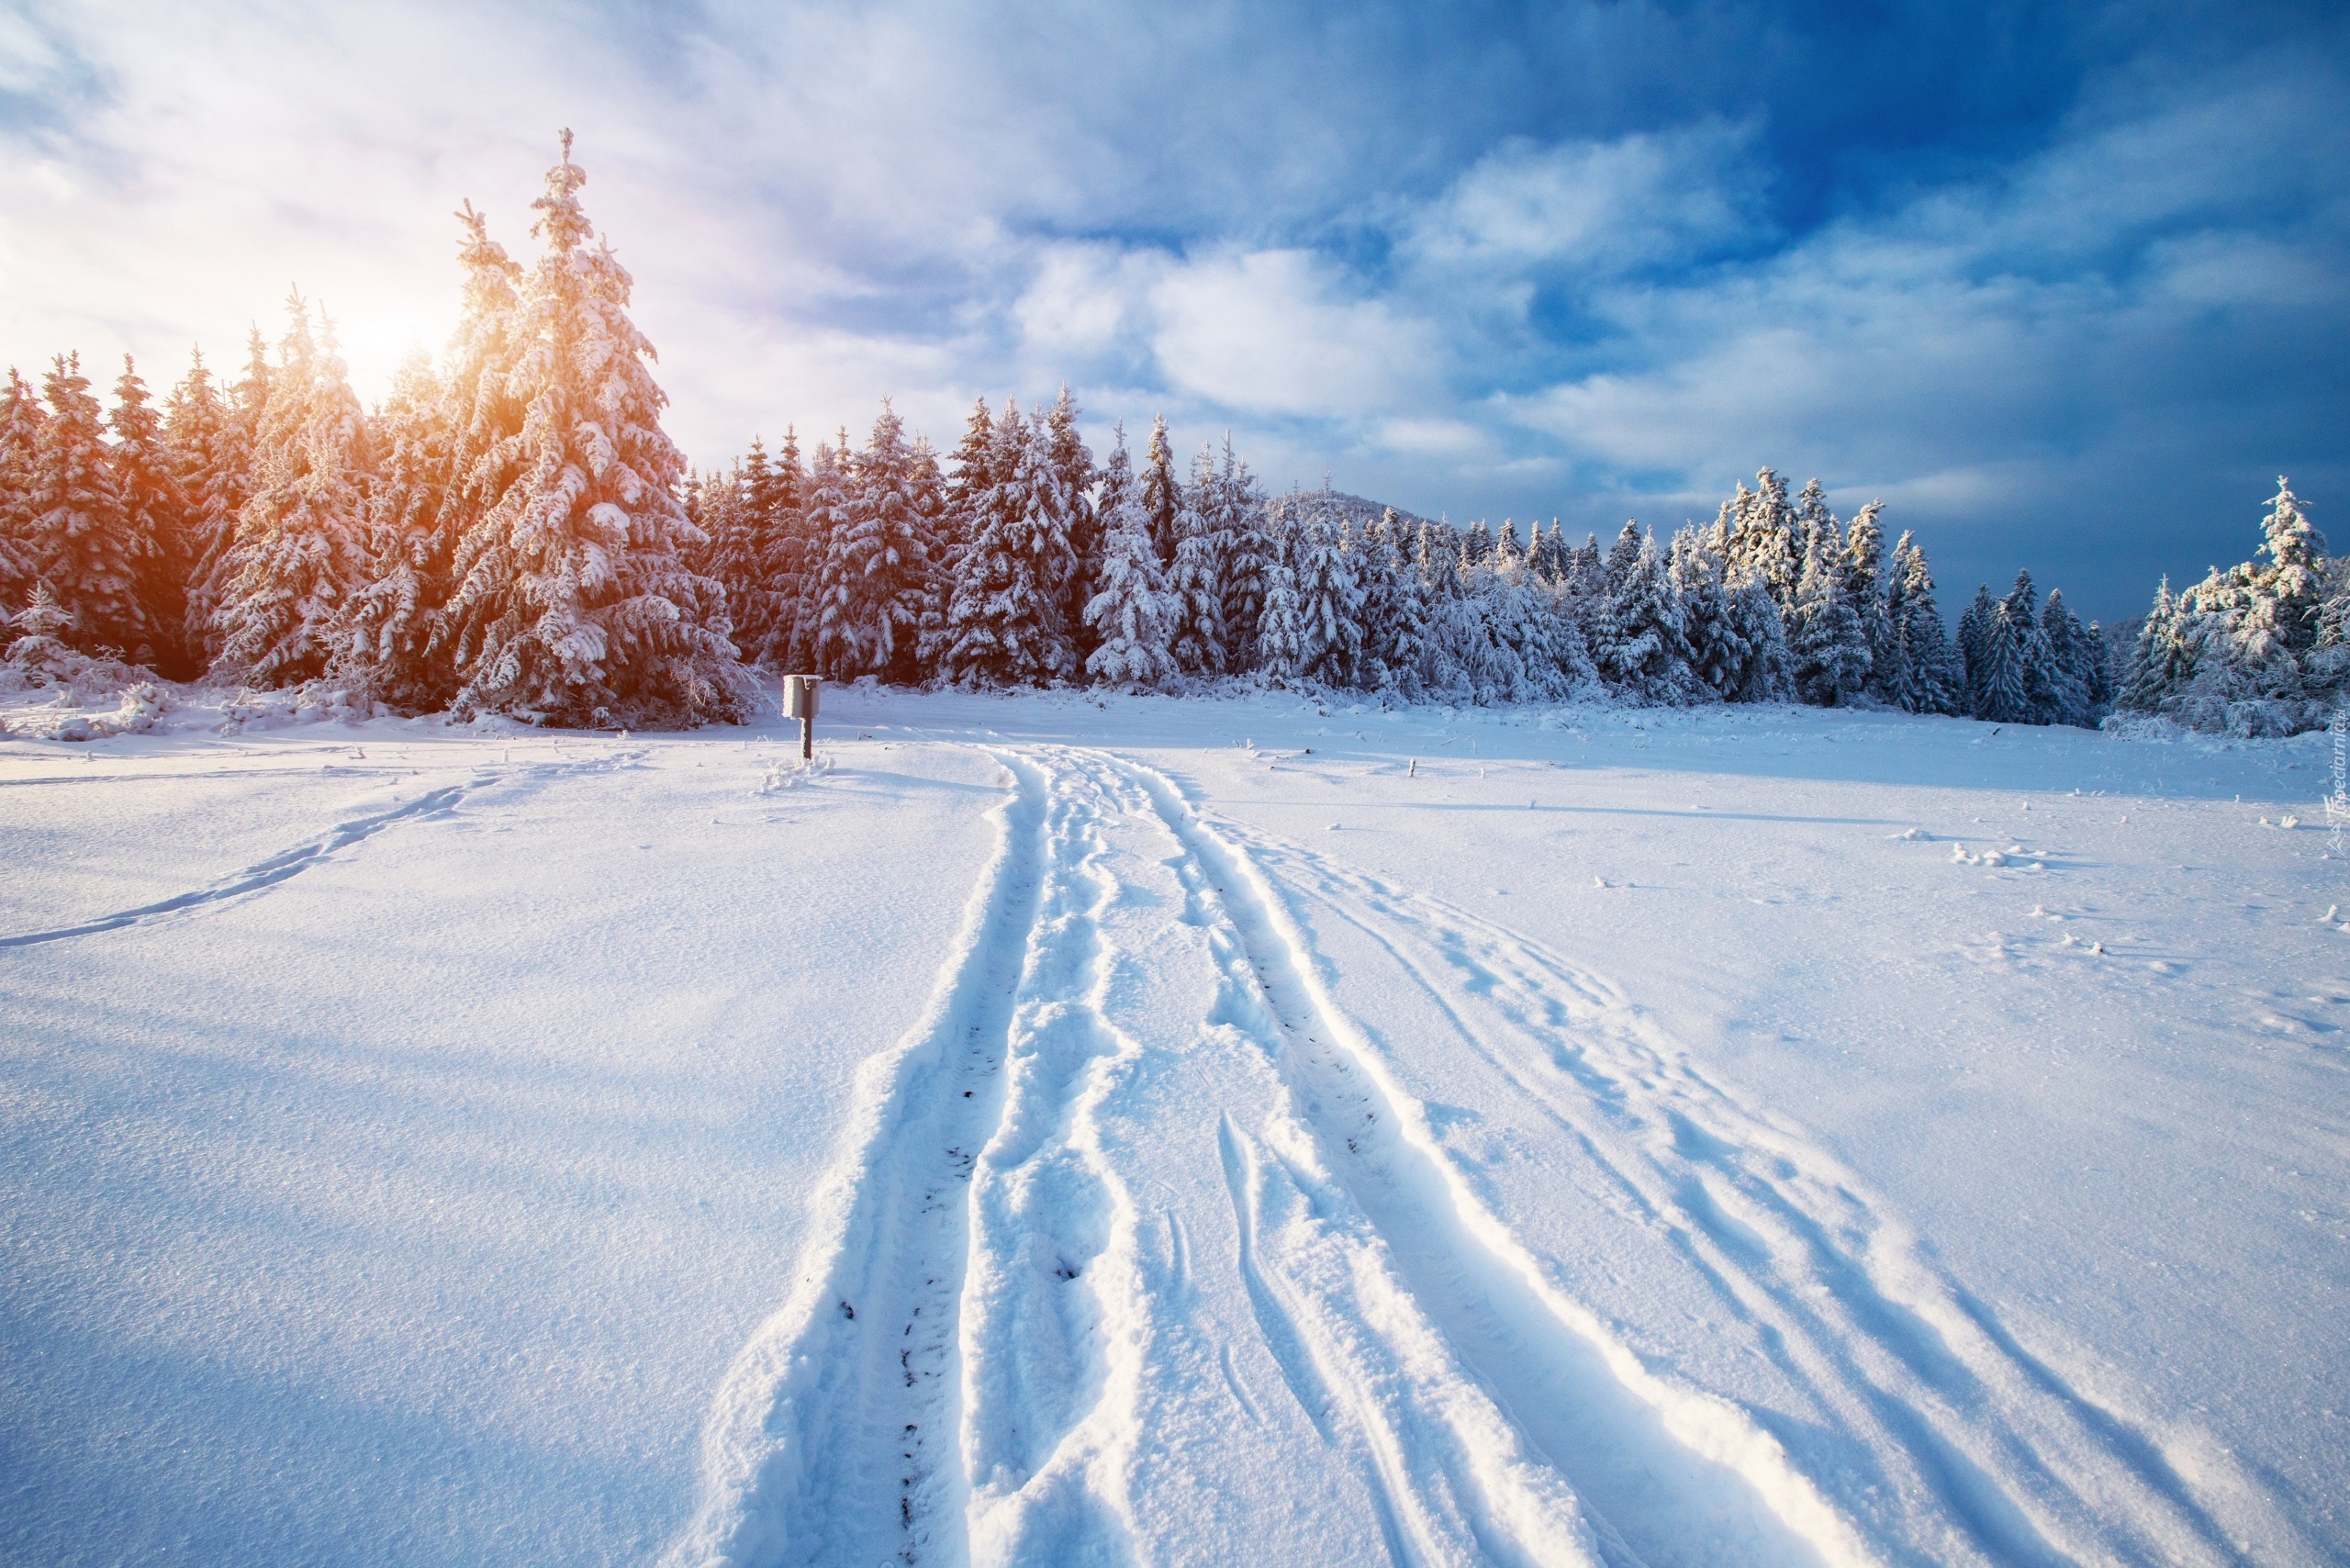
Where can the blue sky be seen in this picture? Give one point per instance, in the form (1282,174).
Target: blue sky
(2065,285)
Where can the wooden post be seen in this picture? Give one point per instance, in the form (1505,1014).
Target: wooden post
(799,702)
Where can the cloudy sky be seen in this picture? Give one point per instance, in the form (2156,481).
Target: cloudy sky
(2065,285)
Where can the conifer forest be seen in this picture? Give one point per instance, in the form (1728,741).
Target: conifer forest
(512,532)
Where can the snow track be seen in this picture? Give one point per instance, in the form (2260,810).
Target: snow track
(262,874)
(1953,1439)
(1140,1242)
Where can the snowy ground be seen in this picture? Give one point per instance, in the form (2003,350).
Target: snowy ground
(1066,1132)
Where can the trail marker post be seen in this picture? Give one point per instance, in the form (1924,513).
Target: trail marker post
(799,702)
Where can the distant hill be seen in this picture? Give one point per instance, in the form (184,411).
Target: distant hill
(1363,511)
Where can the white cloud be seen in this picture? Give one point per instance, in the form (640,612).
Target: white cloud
(1591,207)
(1274,332)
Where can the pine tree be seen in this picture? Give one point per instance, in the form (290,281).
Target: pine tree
(21,421)
(79,538)
(1130,613)
(300,550)
(1330,601)
(1764,542)
(1240,524)
(1831,652)
(36,647)
(212,462)
(875,577)
(1927,673)
(1162,495)
(2076,657)
(1643,648)
(389,636)
(572,605)
(1281,624)
(2021,614)
(1394,615)
(1004,624)
(155,517)
(1718,654)
(1195,579)
(1073,467)
(1993,638)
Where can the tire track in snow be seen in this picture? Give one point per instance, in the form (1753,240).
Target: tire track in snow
(1498,1419)
(1053,1298)
(1968,1447)
(834,1437)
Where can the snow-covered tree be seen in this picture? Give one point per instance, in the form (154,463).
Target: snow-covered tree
(1329,599)
(212,461)
(1073,467)
(1004,622)
(1281,626)
(1764,542)
(1130,613)
(1926,674)
(1718,654)
(1829,643)
(77,536)
(874,582)
(1195,573)
(389,635)
(154,520)
(1238,520)
(573,606)
(300,551)
(1640,644)
(20,422)
(1394,609)
(1162,493)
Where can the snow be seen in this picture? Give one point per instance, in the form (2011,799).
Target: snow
(1030,1133)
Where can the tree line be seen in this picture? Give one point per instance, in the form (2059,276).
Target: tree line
(2261,648)
(512,531)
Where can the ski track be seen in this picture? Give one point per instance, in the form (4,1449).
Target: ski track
(959,1375)
(266,874)
(1958,1443)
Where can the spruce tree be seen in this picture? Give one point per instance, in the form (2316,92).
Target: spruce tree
(21,421)
(876,575)
(1329,599)
(300,551)
(1764,542)
(213,463)
(831,495)
(1073,467)
(1280,627)
(80,539)
(1831,651)
(1718,654)
(572,605)
(1162,495)
(1130,615)
(154,516)
(1643,650)
(1928,675)
(1004,624)
(389,636)
(1195,576)
(1240,524)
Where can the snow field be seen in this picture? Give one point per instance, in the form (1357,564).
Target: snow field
(1632,1138)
